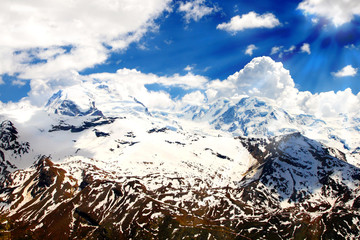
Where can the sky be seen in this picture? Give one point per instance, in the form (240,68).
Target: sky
(193,51)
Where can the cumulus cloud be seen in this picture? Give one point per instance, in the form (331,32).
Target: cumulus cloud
(306,48)
(338,11)
(348,71)
(45,40)
(250,20)
(195,10)
(330,104)
(194,98)
(261,77)
(265,78)
(250,49)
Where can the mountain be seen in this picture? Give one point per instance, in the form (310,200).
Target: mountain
(248,117)
(104,167)
(61,103)
(255,117)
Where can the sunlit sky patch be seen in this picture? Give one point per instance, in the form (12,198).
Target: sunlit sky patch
(209,38)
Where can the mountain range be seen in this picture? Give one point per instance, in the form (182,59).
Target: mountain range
(90,164)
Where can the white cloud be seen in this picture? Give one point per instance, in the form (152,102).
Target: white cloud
(338,11)
(348,71)
(352,46)
(330,104)
(250,20)
(314,20)
(261,77)
(194,98)
(40,23)
(188,68)
(130,82)
(157,100)
(291,49)
(249,50)
(1,81)
(168,42)
(195,10)
(306,48)
(275,49)
(18,82)
(48,39)
(188,81)
(77,59)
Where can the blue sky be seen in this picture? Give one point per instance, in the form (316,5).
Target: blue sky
(321,52)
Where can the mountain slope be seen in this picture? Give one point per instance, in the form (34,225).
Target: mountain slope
(270,201)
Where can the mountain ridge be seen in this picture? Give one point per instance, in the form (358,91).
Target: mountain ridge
(136,174)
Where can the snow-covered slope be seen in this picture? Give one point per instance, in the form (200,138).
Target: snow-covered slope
(288,187)
(94,164)
(250,116)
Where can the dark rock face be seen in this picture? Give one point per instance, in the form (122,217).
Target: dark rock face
(98,121)
(10,144)
(69,108)
(297,189)
(156,130)
(9,139)
(101,134)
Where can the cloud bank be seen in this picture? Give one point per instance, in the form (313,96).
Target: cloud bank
(261,77)
(47,39)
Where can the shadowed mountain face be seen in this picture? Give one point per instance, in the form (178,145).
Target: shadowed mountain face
(245,170)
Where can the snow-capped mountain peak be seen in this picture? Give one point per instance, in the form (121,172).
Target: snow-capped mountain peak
(72,103)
